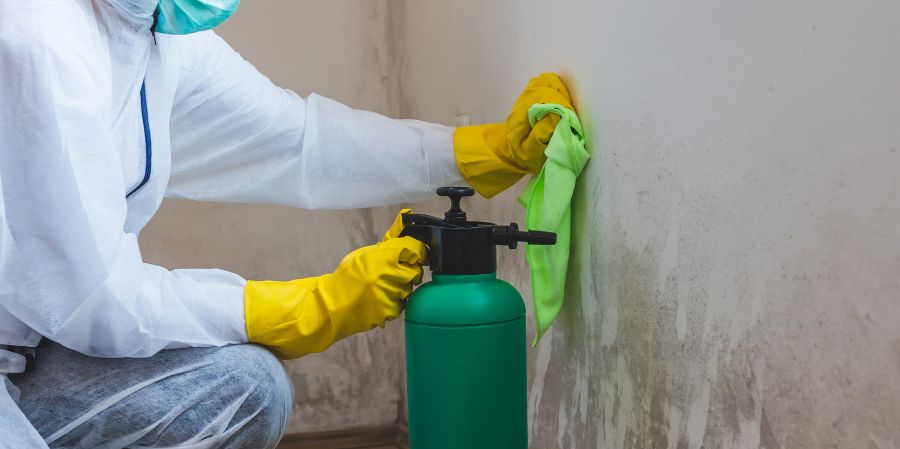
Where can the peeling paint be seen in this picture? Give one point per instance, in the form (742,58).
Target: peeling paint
(536,388)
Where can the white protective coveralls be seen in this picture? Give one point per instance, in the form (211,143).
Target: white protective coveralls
(72,145)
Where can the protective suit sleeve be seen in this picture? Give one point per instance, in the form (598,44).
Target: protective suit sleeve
(68,269)
(237,137)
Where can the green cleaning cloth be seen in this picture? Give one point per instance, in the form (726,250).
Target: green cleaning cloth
(548,207)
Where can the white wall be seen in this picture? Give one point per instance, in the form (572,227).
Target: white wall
(337,49)
(736,276)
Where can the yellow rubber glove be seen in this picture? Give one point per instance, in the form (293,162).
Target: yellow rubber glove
(495,156)
(367,289)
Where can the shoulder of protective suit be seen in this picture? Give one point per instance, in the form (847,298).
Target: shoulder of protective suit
(190,55)
(189,48)
(44,28)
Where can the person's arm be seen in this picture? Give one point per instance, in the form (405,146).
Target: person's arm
(238,137)
(67,268)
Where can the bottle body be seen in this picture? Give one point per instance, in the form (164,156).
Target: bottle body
(466,368)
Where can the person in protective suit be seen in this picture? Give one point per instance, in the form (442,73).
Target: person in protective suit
(109,106)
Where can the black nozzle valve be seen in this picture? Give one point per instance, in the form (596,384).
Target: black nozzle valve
(511,236)
(455,215)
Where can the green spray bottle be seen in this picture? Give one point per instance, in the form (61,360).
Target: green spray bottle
(465,336)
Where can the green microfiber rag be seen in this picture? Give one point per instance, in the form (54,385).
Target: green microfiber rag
(548,207)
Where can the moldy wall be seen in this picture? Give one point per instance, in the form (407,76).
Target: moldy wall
(736,276)
(735,280)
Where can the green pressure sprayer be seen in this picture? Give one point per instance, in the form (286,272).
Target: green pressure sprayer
(465,335)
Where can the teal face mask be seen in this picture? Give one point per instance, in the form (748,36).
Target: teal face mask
(191,16)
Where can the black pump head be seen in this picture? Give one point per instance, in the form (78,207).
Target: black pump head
(459,246)
(455,215)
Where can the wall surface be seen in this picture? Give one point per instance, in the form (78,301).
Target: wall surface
(337,49)
(735,280)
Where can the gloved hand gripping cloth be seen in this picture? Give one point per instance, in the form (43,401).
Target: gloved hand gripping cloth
(493,157)
(548,207)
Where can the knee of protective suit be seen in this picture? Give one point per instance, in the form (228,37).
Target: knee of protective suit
(269,392)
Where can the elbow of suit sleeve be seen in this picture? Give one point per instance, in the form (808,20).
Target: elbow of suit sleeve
(138,309)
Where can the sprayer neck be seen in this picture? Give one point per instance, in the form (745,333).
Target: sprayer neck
(462,278)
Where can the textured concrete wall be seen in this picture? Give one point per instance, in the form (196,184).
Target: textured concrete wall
(736,273)
(338,49)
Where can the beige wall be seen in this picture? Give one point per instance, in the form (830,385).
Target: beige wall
(337,49)
(735,277)
(736,272)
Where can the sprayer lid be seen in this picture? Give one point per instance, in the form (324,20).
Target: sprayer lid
(459,246)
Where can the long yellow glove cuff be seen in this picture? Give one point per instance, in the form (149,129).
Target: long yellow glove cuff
(303,316)
(493,157)
(487,170)
(281,314)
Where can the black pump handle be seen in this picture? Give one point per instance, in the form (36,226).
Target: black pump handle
(455,215)
(455,191)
